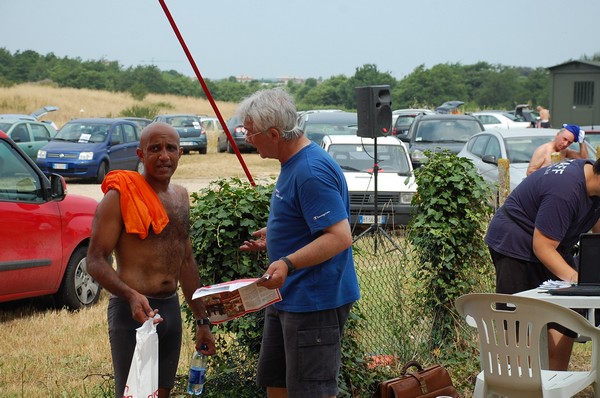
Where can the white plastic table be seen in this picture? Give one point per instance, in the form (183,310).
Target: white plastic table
(589,303)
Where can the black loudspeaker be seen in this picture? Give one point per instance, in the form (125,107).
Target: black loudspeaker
(374,110)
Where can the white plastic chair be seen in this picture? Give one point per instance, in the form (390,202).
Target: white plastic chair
(509,341)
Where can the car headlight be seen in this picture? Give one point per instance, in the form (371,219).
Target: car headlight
(86,155)
(417,156)
(406,197)
(41,154)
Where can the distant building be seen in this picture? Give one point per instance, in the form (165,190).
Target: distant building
(277,80)
(244,79)
(286,79)
(575,93)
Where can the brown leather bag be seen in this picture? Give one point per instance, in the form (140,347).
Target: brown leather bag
(430,382)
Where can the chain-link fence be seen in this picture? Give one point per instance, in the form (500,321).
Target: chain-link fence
(394,328)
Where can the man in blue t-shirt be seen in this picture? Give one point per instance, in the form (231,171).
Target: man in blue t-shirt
(531,236)
(309,245)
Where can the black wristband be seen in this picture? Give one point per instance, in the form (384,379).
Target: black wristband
(203,321)
(289,264)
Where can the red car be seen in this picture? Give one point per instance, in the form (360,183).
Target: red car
(44,233)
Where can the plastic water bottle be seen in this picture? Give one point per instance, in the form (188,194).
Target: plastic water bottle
(197,374)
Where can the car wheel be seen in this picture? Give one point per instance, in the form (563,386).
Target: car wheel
(202,151)
(229,148)
(140,167)
(78,289)
(102,170)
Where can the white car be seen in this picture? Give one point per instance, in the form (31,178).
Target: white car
(396,184)
(500,120)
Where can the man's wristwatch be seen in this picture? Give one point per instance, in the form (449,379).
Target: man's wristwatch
(203,321)
(289,264)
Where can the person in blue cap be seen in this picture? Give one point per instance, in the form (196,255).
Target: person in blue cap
(569,134)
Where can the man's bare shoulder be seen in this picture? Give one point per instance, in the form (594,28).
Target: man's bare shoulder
(180,191)
(542,150)
(111,198)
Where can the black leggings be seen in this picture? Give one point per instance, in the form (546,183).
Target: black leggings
(514,275)
(122,332)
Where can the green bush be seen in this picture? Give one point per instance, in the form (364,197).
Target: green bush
(147,111)
(447,233)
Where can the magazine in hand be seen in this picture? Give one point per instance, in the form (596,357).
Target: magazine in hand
(229,300)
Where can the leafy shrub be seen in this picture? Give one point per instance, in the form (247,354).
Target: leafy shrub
(146,111)
(447,233)
(138,91)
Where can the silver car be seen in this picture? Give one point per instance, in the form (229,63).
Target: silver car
(517,145)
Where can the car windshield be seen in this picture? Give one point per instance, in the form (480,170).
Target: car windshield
(360,157)
(184,121)
(520,149)
(446,130)
(83,132)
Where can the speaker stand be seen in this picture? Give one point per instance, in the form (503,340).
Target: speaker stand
(376,230)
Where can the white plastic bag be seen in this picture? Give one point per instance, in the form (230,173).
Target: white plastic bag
(142,381)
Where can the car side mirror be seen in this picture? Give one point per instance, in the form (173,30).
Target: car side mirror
(491,159)
(57,187)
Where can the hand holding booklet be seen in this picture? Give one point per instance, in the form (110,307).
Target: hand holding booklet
(229,300)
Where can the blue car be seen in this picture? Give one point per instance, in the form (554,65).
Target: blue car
(90,148)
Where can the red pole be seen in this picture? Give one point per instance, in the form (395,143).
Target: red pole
(206,90)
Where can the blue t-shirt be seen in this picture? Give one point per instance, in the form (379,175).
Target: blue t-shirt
(555,201)
(310,195)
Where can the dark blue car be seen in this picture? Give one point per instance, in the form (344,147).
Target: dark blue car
(90,148)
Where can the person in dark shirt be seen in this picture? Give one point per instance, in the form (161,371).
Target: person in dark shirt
(531,236)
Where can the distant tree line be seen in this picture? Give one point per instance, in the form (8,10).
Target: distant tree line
(480,86)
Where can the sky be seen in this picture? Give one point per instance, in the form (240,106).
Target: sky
(304,38)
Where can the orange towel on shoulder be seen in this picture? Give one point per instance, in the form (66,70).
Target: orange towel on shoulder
(140,205)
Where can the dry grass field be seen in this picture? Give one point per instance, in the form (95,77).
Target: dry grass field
(76,103)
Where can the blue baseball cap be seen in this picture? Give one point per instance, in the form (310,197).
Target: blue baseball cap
(573,128)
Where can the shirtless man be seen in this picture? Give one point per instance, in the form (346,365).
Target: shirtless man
(544,117)
(565,137)
(152,256)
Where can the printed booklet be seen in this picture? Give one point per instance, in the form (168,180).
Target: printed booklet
(229,300)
